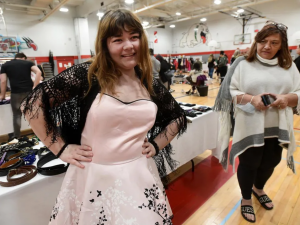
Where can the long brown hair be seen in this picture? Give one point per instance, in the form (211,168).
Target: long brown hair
(103,67)
(284,57)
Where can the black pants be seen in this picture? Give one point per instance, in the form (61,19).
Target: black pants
(257,165)
(15,101)
(223,71)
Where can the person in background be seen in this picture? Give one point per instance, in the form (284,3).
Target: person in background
(199,62)
(236,54)
(222,65)
(164,67)
(261,130)
(42,72)
(192,77)
(172,66)
(155,64)
(192,62)
(18,71)
(211,65)
(297,60)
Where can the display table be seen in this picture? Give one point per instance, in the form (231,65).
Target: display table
(6,120)
(201,135)
(31,203)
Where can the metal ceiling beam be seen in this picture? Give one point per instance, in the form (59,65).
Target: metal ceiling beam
(153,5)
(25,6)
(15,10)
(62,3)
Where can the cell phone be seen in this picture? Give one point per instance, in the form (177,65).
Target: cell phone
(266,100)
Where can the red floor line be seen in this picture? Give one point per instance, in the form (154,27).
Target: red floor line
(193,189)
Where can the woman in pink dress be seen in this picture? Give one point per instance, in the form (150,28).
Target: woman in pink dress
(113,124)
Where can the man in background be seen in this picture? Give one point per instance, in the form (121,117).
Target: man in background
(155,64)
(18,71)
(199,62)
(222,65)
(297,60)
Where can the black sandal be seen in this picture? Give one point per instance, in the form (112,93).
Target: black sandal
(249,210)
(263,199)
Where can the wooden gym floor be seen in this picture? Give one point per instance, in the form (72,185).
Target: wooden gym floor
(223,207)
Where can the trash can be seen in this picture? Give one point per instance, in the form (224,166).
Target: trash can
(203,90)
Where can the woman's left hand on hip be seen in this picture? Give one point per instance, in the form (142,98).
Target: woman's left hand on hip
(148,149)
(281,101)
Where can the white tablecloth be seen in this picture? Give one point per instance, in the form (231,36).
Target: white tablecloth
(31,203)
(201,135)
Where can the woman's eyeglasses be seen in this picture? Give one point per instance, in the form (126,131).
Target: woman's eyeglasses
(279,26)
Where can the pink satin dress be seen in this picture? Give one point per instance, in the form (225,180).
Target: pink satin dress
(120,186)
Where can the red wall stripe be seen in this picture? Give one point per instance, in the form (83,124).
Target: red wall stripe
(41,59)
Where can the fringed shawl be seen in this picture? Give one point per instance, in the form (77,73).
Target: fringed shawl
(224,104)
(65,102)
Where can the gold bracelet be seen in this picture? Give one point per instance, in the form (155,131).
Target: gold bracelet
(242,99)
(251,99)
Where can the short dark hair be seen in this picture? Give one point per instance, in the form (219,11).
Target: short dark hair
(221,52)
(197,66)
(20,56)
(151,51)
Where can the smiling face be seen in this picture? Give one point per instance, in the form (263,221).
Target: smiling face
(124,49)
(269,46)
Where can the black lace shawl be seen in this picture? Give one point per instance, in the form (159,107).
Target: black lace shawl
(65,102)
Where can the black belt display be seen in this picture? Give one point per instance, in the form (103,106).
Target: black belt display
(51,170)
(20,144)
(17,158)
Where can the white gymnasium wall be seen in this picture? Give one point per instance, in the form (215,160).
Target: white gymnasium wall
(93,22)
(56,33)
(164,37)
(222,28)
(82,36)
(286,12)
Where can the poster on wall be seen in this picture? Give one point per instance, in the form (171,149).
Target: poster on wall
(196,34)
(10,45)
(155,37)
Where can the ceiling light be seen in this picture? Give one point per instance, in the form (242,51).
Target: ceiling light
(240,11)
(178,13)
(172,26)
(129,1)
(217,2)
(203,19)
(64,10)
(145,23)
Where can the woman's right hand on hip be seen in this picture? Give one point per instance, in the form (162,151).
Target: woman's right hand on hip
(73,154)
